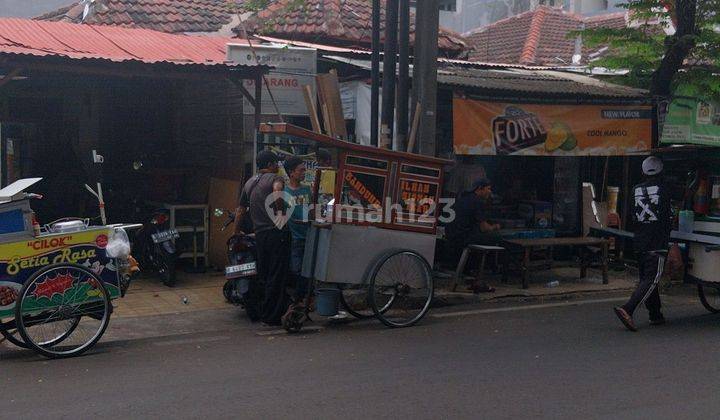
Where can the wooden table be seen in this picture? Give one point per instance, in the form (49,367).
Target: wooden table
(527,245)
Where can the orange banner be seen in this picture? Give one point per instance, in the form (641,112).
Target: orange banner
(494,128)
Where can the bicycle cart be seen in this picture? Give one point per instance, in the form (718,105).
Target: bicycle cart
(703,266)
(373,231)
(56,285)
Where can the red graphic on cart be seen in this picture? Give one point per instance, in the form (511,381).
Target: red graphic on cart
(101,241)
(56,285)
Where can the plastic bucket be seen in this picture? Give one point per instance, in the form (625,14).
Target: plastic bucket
(327,301)
(686,220)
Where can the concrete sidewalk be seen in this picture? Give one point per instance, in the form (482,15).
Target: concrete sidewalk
(147,296)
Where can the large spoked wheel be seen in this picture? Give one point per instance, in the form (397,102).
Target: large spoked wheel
(63,310)
(355,300)
(13,336)
(710,298)
(400,288)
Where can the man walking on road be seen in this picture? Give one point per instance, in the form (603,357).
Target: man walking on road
(653,216)
(271,234)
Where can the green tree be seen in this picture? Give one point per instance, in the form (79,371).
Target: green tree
(660,62)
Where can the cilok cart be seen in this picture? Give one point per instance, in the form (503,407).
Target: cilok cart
(56,285)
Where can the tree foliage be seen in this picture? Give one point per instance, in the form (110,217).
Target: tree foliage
(667,43)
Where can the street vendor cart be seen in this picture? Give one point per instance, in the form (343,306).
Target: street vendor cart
(56,282)
(372,236)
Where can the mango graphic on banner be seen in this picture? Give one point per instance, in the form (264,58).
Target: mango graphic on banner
(498,128)
(560,136)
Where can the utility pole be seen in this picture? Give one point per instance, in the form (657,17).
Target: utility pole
(375,74)
(425,72)
(403,75)
(389,73)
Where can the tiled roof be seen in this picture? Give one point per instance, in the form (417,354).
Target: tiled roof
(537,37)
(30,38)
(333,22)
(172,16)
(611,21)
(337,22)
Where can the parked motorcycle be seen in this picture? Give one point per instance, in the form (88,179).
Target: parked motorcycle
(242,287)
(156,245)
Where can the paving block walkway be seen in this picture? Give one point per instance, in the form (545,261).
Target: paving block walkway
(147,296)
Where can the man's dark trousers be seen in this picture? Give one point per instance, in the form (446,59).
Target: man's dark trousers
(649,266)
(273,252)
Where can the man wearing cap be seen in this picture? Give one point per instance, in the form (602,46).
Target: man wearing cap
(654,221)
(471,225)
(271,234)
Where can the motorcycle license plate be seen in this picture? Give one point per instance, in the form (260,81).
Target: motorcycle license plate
(164,236)
(240,270)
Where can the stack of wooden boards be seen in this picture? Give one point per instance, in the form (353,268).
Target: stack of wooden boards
(329,106)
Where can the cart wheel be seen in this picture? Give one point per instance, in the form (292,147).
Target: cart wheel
(711,299)
(360,308)
(13,336)
(401,288)
(63,310)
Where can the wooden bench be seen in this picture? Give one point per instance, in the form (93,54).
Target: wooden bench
(527,245)
(483,250)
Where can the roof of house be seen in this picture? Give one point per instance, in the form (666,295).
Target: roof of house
(522,82)
(537,37)
(342,22)
(332,22)
(172,16)
(23,38)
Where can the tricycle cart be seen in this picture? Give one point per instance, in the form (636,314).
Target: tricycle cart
(703,266)
(372,236)
(56,285)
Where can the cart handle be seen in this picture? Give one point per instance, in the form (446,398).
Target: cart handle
(712,248)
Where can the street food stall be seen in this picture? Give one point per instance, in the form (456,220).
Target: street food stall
(691,148)
(56,281)
(372,235)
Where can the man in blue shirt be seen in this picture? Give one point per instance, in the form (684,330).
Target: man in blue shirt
(299,195)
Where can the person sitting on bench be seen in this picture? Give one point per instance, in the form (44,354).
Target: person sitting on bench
(471,225)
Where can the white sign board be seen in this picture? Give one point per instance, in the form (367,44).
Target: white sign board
(294,67)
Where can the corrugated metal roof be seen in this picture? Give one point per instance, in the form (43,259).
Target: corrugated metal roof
(523,82)
(41,39)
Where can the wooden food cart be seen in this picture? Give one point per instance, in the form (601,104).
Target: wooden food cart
(374,230)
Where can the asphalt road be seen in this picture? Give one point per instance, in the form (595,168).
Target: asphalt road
(572,361)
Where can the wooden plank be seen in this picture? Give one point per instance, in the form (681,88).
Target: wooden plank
(223,194)
(414,129)
(310,102)
(329,93)
(541,242)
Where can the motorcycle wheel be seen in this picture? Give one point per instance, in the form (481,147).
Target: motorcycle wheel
(167,269)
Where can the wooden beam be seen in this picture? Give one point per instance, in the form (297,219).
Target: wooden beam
(414,129)
(239,84)
(329,93)
(310,102)
(11,75)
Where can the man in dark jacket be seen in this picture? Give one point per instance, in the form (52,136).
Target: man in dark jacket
(654,218)
(261,196)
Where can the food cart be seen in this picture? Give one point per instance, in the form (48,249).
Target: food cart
(372,236)
(691,140)
(701,235)
(56,282)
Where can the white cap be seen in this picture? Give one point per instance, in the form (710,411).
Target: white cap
(652,165)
